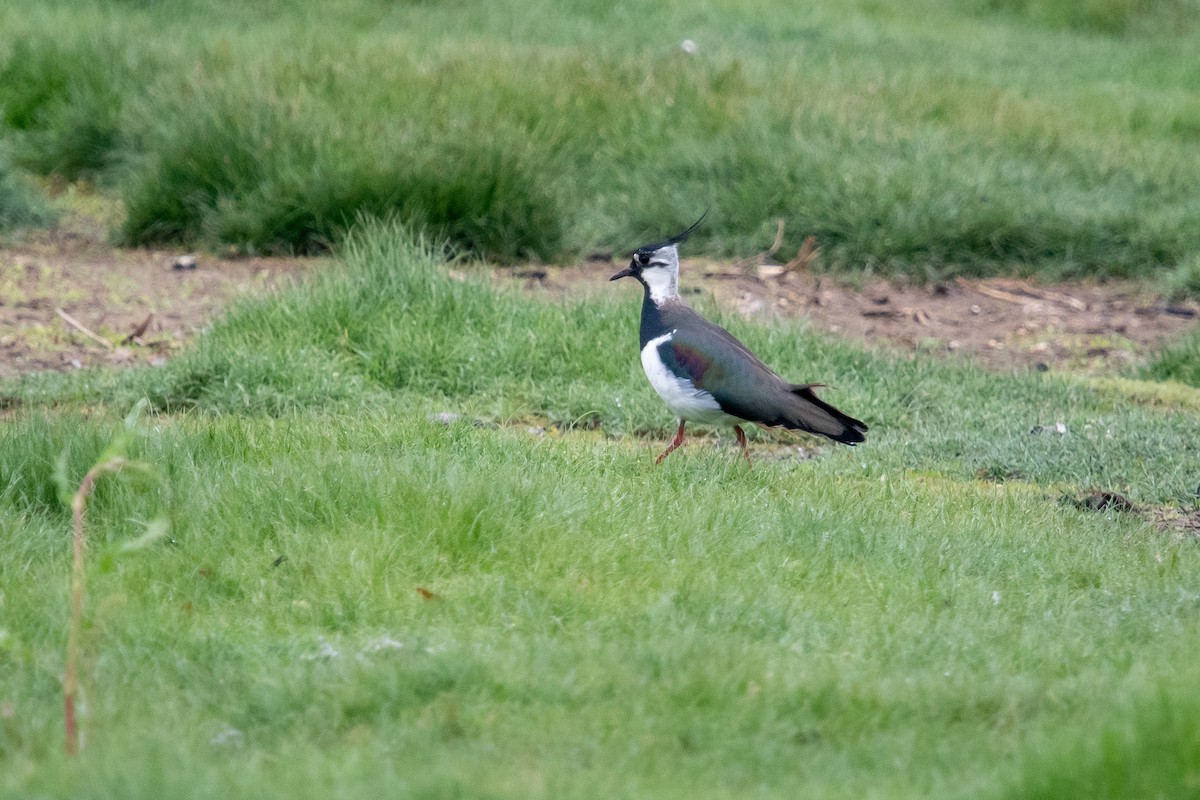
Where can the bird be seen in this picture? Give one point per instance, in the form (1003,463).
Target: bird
(705,375)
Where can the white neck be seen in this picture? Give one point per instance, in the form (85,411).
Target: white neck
(662,283)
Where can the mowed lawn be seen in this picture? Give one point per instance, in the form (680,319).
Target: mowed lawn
(358,598)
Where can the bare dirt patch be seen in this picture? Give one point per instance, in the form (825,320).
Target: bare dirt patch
(113,293)
(1002,323)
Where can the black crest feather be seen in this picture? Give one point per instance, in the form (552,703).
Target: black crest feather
(678,238)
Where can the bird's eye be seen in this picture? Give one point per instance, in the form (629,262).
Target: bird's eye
(642,258)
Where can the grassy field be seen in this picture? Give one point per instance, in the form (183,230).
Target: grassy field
(947,136)
(418,546)
(354,598)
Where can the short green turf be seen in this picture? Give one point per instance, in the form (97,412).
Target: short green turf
(598,626)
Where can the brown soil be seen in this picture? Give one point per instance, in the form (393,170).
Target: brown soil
(111,292)
(1003,323)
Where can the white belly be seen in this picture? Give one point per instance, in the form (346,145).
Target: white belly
(685,401)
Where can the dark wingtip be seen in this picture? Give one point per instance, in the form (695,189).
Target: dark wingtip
(854,431)
(851,436)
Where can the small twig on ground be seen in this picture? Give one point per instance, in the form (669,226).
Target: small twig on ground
(136,336)
(1024,294)
(79,326)
(1026,288)
(988,291)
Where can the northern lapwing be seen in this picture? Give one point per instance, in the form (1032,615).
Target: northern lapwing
(705,375)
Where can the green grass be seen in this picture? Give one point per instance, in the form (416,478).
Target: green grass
(1180,362)
(21,205)
(926,141)
(1184,282)
(1118,17)
(780,631)
(876,622)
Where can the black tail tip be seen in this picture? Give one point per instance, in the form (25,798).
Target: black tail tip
(852,436)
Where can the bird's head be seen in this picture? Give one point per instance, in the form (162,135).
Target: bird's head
(656,266)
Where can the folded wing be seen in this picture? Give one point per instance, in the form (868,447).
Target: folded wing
(745,387)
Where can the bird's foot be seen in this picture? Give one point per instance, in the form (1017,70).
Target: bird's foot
(678,440)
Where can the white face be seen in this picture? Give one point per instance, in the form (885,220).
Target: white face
(661,273)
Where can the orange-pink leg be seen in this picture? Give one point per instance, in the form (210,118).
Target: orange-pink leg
(678,440)
(741,437)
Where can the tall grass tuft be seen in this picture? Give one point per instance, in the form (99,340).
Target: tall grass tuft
(1178,362)
(278,172)
(62,97)
(394,320)
(21,205)
(1184,281)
